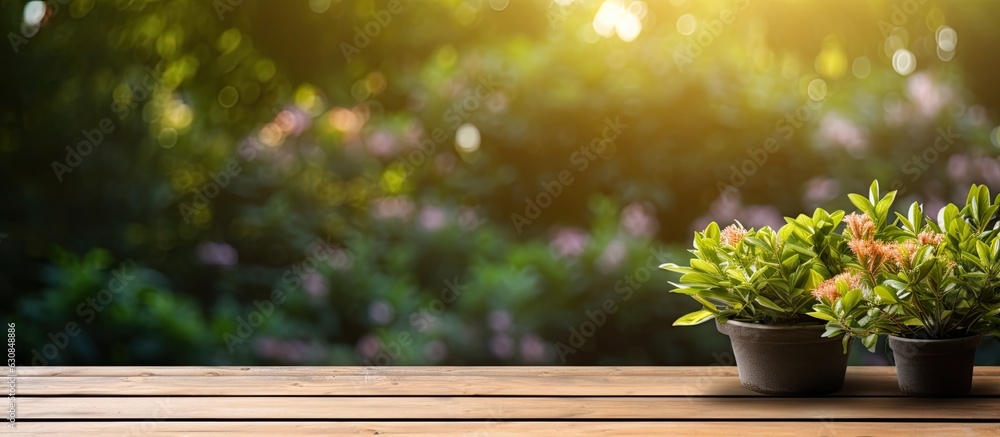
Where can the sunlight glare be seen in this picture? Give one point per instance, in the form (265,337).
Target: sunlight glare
(628,27)
(904,62)
(34,12)
(467,138)
(607,16)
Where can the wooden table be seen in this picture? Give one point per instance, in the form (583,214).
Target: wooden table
(695,401)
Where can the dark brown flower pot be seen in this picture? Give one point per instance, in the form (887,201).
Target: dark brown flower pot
(934,367)
(786,359)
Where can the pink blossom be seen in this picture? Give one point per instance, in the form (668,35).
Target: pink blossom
(839,131)
(532,348)
(432,218)
(639,220)
(217,254)
(381,312)
(368,345)
(381,143)
(928,97)
(820,190)
(315,285)
(570,242)
(500,320)
(392,207)
(502,346)
(435,351)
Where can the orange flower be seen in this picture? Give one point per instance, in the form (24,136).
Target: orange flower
(931,238)
(904,253)
(827,290)
(872,254)
(732,234)
(861,226)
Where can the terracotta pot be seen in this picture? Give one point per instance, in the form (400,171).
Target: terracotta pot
(786,359)
(934,367)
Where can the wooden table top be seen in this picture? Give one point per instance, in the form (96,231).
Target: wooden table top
(695,401)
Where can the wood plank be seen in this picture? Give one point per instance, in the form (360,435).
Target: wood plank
(525,408)
(724,429)
(422,385)
(534,371)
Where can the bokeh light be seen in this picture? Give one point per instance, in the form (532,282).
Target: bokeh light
(817,89)
(687,24)
(861,67)
(904,62)
(947,38)
(34,12)
(467,138)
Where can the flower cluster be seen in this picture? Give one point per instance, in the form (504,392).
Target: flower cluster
(915,277)
(827,290)
(732,234)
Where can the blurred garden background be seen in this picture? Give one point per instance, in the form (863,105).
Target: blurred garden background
(451,182)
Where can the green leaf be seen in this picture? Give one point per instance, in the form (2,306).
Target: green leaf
(815,278)
(832,330)
(699,278)
(885,294)
(769,303)
(851,299)
(916,215)
(861,203)
(687,291)
(873,191)
(802,250)
(702,266)
(694,318)
(869,342)
(822,316)
(675,268)
(882,209)
(757,242)
(712,231)
(709,306)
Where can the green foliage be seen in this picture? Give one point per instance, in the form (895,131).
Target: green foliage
(230,74)
(763,276)
(920,283)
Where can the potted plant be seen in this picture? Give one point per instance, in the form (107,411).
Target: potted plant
(932,287)
(755,284)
